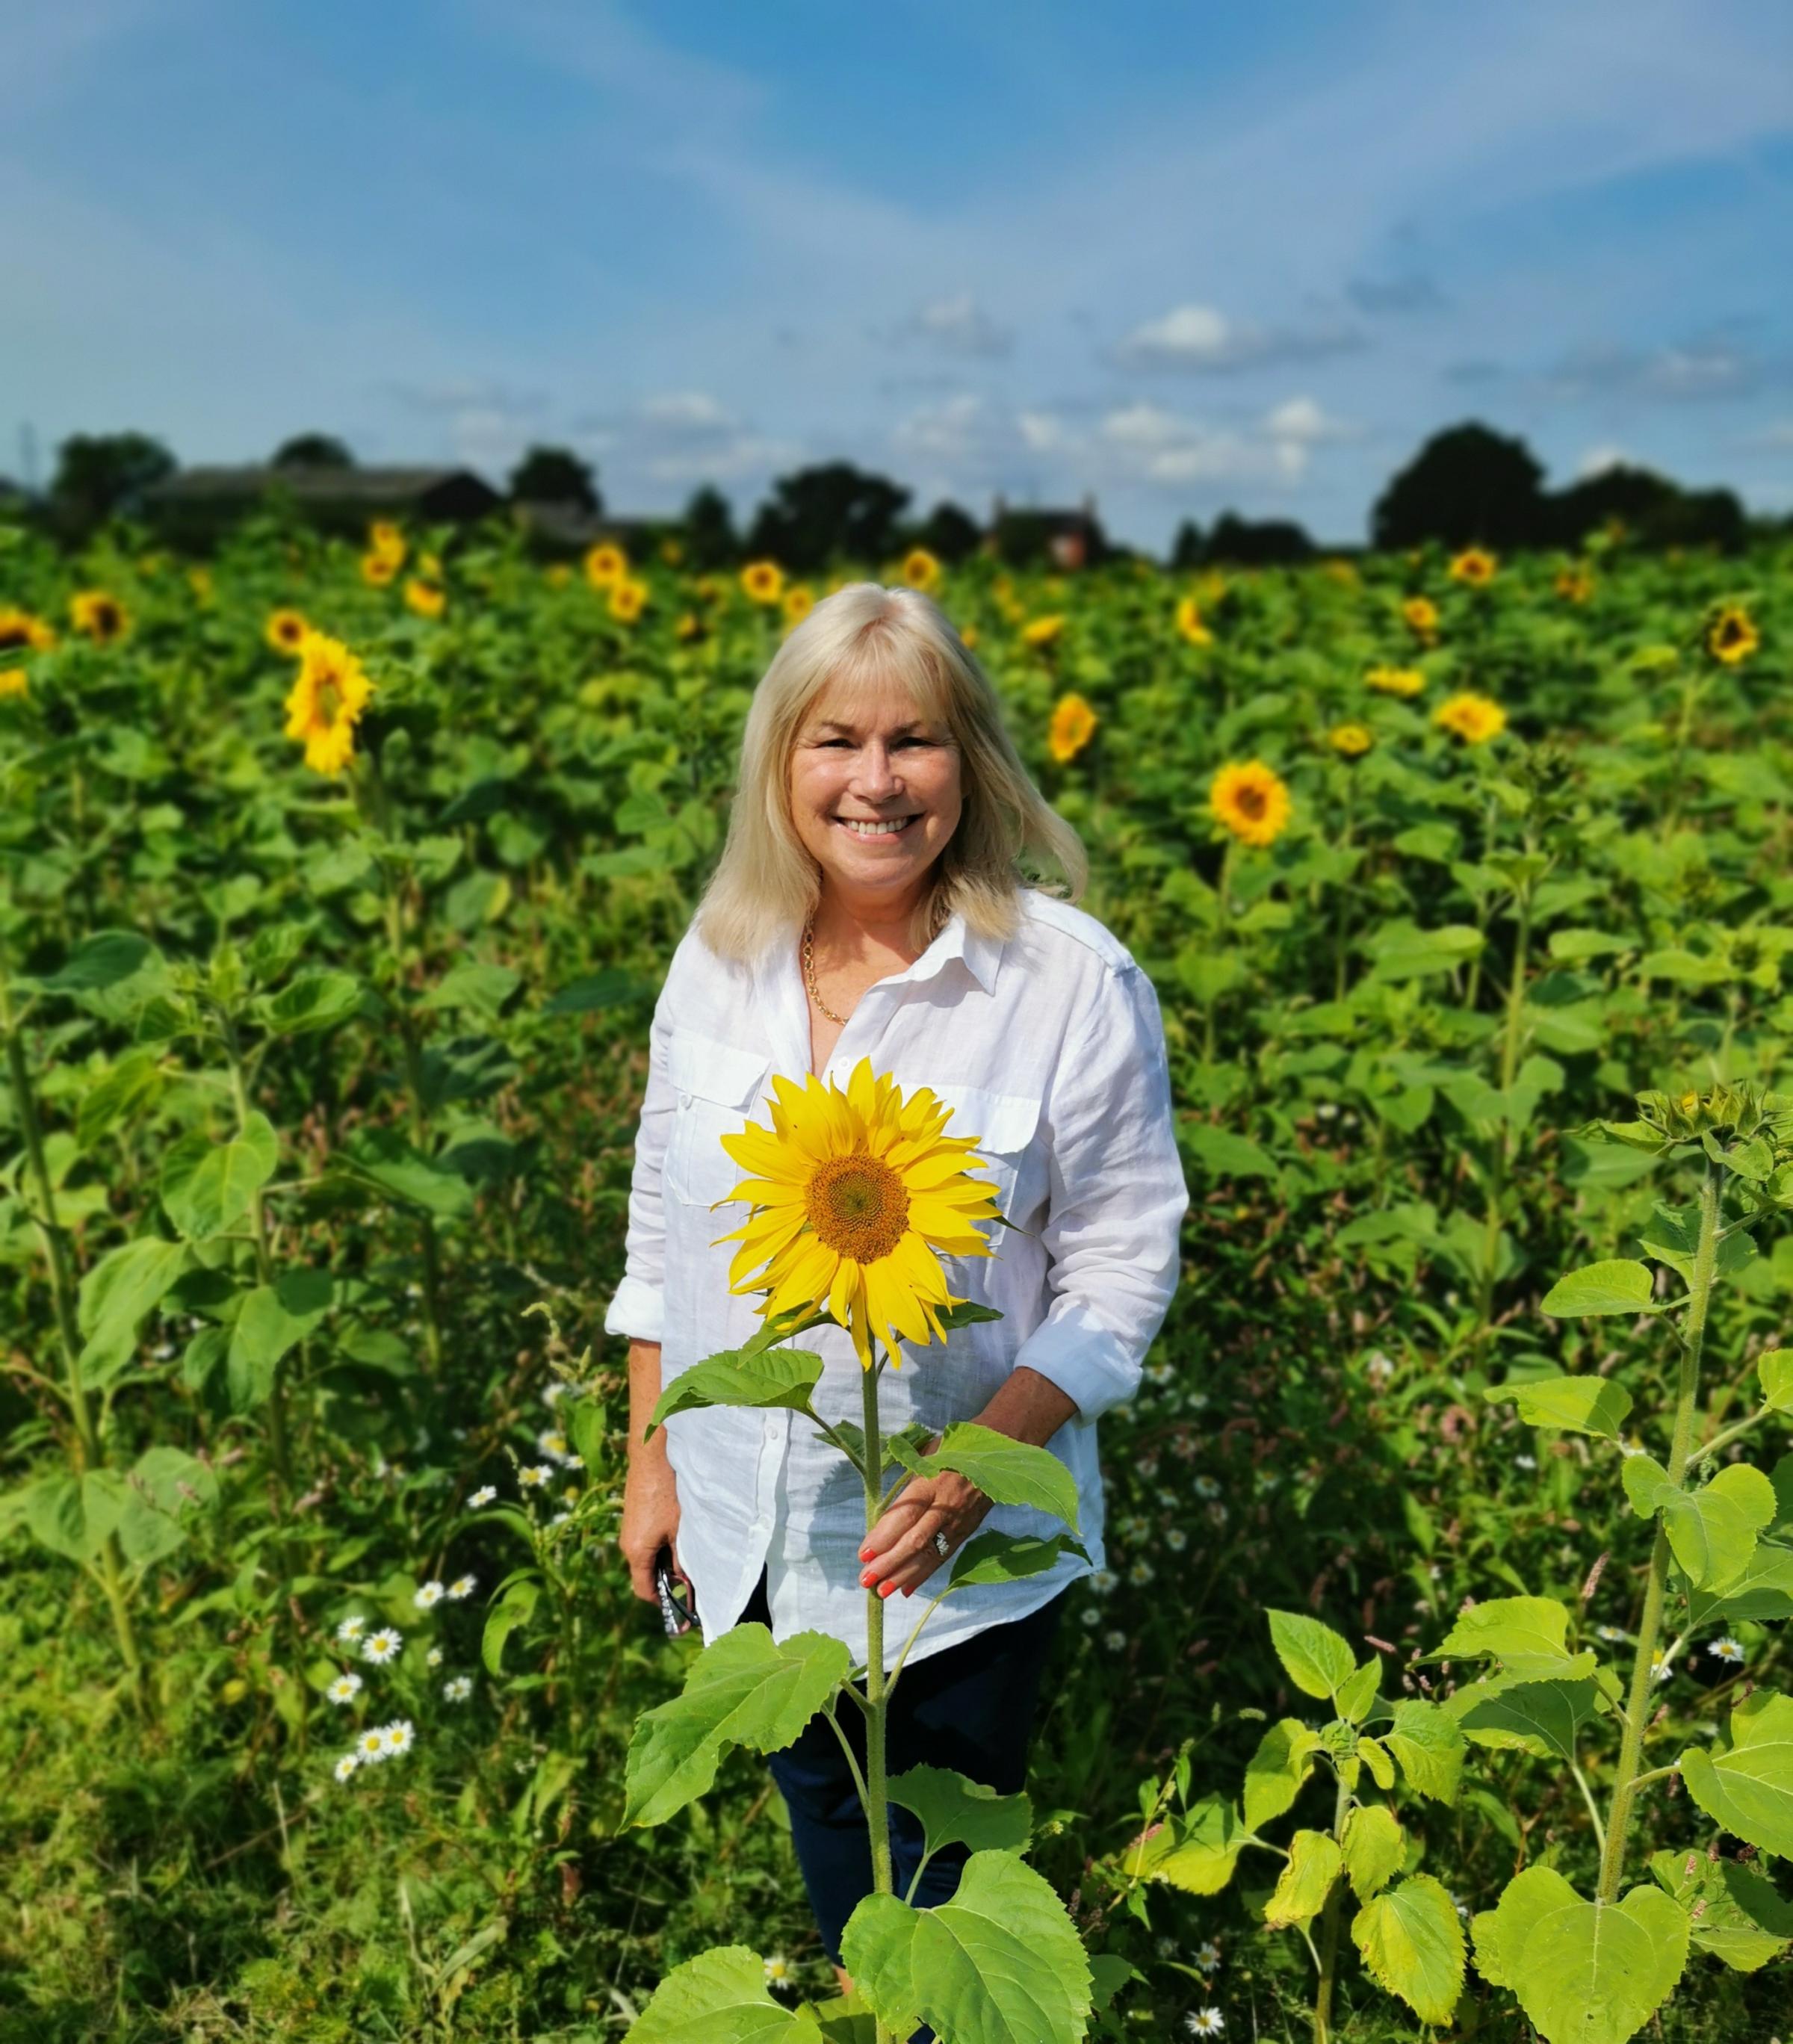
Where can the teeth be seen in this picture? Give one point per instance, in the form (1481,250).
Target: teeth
(873,830)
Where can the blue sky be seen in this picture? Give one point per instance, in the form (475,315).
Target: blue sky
(1184,257)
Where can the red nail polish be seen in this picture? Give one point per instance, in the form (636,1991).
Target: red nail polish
(884,1589)
(864,1554)
(866,1579)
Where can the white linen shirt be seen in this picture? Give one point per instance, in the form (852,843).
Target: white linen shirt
(1049,1049)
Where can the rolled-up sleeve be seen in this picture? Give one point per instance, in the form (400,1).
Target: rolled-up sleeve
(637,1311)
(1116,1202)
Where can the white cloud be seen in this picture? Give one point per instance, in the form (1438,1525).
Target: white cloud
(1198,338)
(1305,420)
(1597,460)
(957,326)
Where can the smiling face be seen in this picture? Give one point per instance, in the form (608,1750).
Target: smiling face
(875,793)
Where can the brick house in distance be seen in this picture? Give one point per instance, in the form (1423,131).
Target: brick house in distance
(1069,539)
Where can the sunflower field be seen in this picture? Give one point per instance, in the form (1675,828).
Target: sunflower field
(1436,1685)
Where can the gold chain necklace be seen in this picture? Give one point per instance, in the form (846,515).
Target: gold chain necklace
(809,968)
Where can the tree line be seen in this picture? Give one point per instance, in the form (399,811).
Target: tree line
(1467,485)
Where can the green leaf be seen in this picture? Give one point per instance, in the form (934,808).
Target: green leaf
(774,1377)
(115,1296)
(1006,1557)
(1316,1659)
(314,1001)
(1429,1746)
(1530,1635)
(1109,1973)
(1742,1918)
(515,1608)
(720,1997)
(1617,1286)
(1225,1154)
(164,1487)
(1007,1471)
(382,1159)
(1275,1772)
(1000,1963)
(1301,1889)
(72,1515)
(1409,954)
(274,1319)
(1747,1788)
(1374,1755)
(101,961)
(478,990)
(1712,1530)
(1374,1845)
(1571,1404)
(1195,1852)
(1776,1370)
(1544,1719)
(130,1086)
(1356,1698)
(954,1811)
(1592,1974)
(743,1689)
(207,1186)
(608,989)
(1762,1589)
(1411,1943)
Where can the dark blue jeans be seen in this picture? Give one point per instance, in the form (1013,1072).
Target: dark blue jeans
(968,1707)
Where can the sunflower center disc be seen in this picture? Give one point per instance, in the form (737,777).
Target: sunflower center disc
(1251,801)
(859,1206)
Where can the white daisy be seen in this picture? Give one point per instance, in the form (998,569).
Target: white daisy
(1102,1580)
(1725,1650)
(346,1766)
(1525,1462)
(462,1586)
(534,1477)
(1659,1668)
(1608,1632)
(1140,1572)
(371,1746)
(429,1593)
(1175,1539)
(344,1688)
(553,1393)
(1115,1642)
(483,1495)
(560,1518)
(433,1658)
(1205,1486)
(1090,1616)
(1205,2023)
(383,1646)
(396,1736)
(458,1688)
(350,1629)
(778,1969)
(1208,1956)
(552,1443)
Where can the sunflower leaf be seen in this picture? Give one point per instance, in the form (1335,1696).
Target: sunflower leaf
(774,1377)
(1007,1471)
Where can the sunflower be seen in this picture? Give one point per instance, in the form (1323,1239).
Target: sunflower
(707,589)
(1475,565)
(1421,614)
(689,626)
(1731,636)
(426,598)
(1344,573)
(920,569)
(557,574)
(326,701)
(672,554)
(385,539)
(1574,584)
(379,571)
(853,1196)
(285,631)
(606,565)
(20,632)
(763,581)
(968,638)
(13,682)
(1252,801)
(1189,623)
(102,617)
(1043,631)
(1394,680)
(800,600)
(1351,741)
(1073,725)
(1474,719)
(627,600)
(199,580)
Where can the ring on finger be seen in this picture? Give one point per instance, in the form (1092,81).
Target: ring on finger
(942,1546)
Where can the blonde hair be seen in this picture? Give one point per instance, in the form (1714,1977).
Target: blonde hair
(767,880)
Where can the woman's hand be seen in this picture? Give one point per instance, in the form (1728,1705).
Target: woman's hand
(899,1553)
(650,1520)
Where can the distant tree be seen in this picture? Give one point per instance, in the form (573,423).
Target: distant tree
(313,450)
(710,539)
(1186,549)
(949,533)
(1654,511)
(103,475)
(1257,542)
(555,475)
(1467,485)
(1023,536)
(816,514)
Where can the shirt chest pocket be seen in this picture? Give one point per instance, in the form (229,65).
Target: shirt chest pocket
(717,1088)
(1004,1125)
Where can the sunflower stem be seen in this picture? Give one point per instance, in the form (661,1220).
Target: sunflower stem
(877,1808)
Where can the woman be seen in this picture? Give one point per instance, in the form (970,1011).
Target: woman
(869,902)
